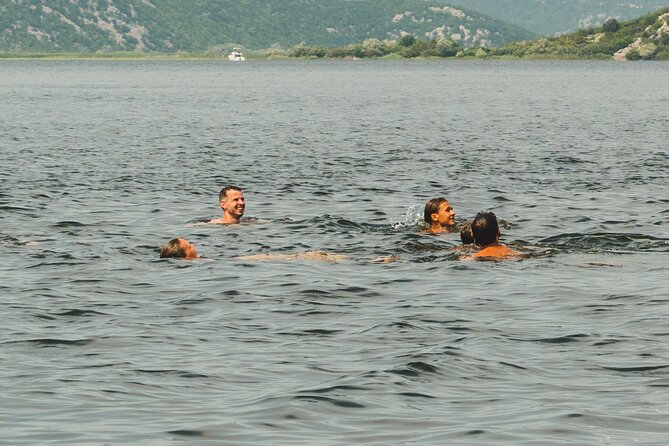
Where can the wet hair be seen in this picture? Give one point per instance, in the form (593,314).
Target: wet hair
(485,228)
(466,234)
(432,207)
(222,194)
(172,250)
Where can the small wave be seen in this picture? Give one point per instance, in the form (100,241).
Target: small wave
(515,366)
(335,223)
(569,160)
(502,199)
(330,389)
(416,395)
(180,373)
(414,369)
(6,239)
(15,208)
(187,433)
(78,313)
(334,401)
(328,221)
(68,224)
(321,332)
(421,247)
(49,342)
(607,342)
(559,339)
(637,369)
(606,242)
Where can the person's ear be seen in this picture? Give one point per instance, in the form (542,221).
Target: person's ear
(434,216)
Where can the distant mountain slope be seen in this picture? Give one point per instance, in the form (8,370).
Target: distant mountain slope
(549,17)
(201,25)
(643,38)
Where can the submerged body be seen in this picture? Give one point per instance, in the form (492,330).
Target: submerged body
(496,251)
(309,255)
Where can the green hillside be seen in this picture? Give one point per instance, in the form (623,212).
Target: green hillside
(562,16)
(643,38)
(217,25)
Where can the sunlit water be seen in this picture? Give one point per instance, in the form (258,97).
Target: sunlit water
(101,342)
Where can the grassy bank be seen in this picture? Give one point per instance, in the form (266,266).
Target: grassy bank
(129,55)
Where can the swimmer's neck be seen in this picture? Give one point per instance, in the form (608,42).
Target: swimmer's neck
(437,228)
(229,220)
(224,221)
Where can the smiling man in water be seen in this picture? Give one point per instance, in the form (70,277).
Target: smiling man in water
(231,200)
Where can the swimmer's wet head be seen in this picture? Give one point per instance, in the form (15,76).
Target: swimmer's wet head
(439,215)
(179,248)
(231,200)
(466,234)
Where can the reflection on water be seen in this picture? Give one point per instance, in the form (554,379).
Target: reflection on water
(103,342)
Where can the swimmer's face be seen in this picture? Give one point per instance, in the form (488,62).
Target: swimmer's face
(188,248)
(234,203)
(446,214)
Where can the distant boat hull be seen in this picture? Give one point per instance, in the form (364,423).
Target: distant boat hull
(236,55)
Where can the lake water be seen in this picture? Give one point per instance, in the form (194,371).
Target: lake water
(101,342)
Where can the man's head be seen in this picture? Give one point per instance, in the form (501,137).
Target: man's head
(179,248)
(438,211)
(485,228)
(231,199)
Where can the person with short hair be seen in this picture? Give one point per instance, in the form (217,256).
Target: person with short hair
(231,200)
(439,215)
(179,248)
(466,234)
(485,230)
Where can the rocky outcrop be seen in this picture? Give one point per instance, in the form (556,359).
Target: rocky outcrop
(646,45)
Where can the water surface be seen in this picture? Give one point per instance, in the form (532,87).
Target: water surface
(104,343)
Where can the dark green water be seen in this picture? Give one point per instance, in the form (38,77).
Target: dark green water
(103,343)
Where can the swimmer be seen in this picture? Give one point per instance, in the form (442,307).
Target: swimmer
(486,235)
(466,234)
(231,200)
(467,238)
(179,248)
(439,216)
(308,255)
(313,255)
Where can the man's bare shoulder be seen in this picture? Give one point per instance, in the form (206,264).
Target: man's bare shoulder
(216,221)
(496,252)
(223,221)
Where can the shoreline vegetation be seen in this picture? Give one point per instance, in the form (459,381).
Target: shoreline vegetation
(645,38)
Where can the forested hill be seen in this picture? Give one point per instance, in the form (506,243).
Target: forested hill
(550,17)
(643,38)
(216,25)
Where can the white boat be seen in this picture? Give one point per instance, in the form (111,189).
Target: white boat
(236,55)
